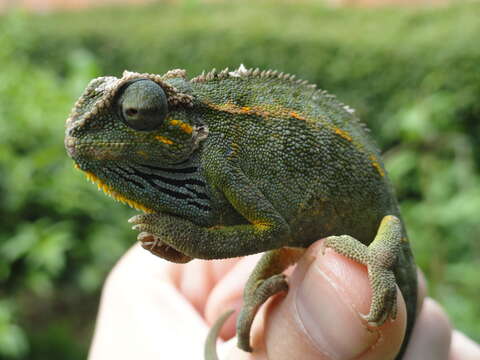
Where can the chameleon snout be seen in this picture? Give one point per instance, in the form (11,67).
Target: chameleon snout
(70,146)
(78,149)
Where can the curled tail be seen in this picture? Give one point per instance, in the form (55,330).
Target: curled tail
(211,342)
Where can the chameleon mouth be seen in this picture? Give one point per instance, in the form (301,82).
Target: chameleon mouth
(107,189)
(95,150)
(149,242)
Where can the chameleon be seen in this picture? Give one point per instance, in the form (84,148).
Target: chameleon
(232,163)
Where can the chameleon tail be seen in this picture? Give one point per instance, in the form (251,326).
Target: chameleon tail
(210,345)
(407,280)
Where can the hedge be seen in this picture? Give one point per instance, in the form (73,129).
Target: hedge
(412,75)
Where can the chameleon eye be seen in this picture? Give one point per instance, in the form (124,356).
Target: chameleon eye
(143,105)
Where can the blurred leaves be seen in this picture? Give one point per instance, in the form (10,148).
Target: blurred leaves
(412,75)
(49,231)
(13,342)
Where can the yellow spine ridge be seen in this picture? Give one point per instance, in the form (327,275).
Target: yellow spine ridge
(115,195)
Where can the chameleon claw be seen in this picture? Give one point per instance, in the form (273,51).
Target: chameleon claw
(374,323)
(377,318)
(143,235)
(137,219)
(139,227)
(156,246)
(148,240)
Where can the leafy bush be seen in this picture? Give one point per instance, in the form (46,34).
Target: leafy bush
(413,76)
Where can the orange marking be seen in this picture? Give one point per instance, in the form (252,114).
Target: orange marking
(261,225)
(377,165)
(263,111)
(278,111)
(164,140)
(296,116)
(186,128)
(343,134)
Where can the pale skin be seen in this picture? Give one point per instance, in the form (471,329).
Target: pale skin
(152,309)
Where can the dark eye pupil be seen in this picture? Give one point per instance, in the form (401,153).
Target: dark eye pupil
(131,112)
(143,105)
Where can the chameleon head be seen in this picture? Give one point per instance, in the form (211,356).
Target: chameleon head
(121,127)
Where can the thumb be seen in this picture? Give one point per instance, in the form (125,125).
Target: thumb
(320,318)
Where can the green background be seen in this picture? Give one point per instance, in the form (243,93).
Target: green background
(412,75)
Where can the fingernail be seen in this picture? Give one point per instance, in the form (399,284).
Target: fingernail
(327,315)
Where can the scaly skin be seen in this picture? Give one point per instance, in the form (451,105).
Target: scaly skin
(235,163)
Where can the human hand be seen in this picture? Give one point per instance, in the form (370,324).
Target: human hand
(152,309)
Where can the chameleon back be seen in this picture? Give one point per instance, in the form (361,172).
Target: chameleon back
(305,151)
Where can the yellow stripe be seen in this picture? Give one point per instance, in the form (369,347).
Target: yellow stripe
(377,165)
(343,134)
(186,128)
(296,116)
(261,225)
(164,140)
(111,192)
(285,113)
(253,110)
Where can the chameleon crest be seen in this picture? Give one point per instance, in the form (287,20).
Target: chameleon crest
(234,163)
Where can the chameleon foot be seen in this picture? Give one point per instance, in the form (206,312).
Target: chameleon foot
(157,247)
(380,257)
(265,281)
(265,289)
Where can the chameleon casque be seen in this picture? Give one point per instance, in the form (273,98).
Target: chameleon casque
(234,163)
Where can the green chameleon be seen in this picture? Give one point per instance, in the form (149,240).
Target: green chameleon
(234,163)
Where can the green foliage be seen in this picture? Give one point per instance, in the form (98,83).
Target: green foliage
(55,234)
(413,76)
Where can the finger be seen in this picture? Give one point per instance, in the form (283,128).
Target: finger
(422,289)
(431,335)
(221,267)
(463,348)
(320,317)
(227,294)
(196,282)
(198,277)
(142,315)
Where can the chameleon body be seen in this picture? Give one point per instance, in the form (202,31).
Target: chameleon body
(234,163)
